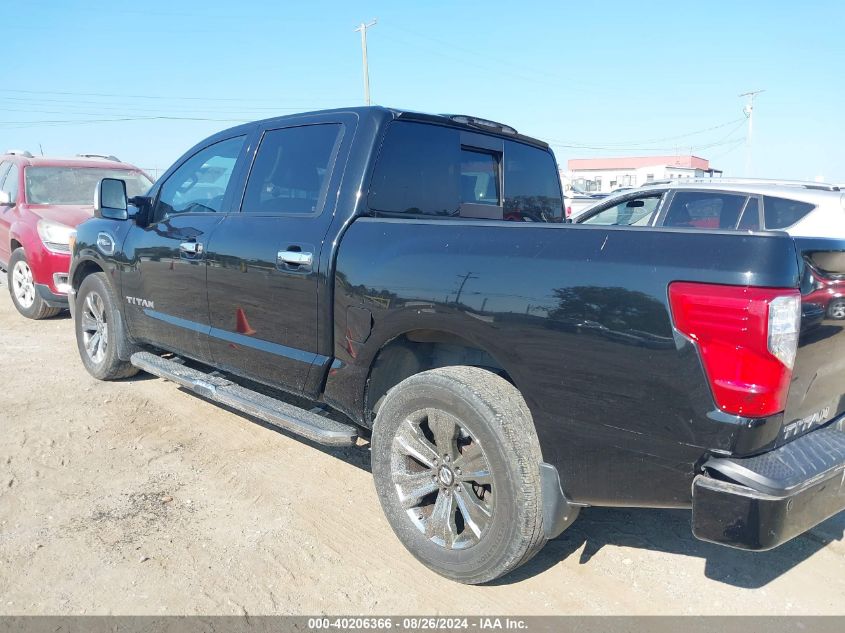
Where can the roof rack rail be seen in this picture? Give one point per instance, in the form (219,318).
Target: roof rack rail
(19,152)
(111,157)
(806,184)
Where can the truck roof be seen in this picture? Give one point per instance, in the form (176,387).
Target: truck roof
(468,122)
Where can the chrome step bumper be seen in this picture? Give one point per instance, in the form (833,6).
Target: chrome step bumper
(760,502)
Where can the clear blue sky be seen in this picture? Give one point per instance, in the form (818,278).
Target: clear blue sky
(614,75)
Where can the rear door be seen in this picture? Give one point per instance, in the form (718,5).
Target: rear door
(165,283)
(817,392)
(264,260)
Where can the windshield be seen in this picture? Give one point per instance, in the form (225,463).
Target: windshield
(75,185)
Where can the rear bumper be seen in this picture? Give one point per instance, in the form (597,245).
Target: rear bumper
(758,503)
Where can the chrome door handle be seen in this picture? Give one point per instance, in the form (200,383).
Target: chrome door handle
(191,248)
(294,258)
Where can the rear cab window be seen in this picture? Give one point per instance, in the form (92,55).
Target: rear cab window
(428,170)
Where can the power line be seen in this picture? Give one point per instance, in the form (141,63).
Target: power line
(126,96)
(737,143)
(114,105)
(624,145)
(651,149)
(27,124)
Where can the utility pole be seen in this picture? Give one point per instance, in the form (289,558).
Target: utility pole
(748,110)
(465,278)
(363,28)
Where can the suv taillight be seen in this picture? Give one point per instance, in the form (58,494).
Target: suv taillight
(747,338)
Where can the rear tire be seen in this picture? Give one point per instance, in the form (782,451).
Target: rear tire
(456,465)
(98,327)
(23,291)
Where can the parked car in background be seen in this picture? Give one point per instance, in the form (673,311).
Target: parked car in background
(828,294)
(42,200)
(806,209)
(576,201)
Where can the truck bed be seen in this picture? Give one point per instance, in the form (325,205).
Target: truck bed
(578,318)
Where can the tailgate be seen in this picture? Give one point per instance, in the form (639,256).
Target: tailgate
(817,391)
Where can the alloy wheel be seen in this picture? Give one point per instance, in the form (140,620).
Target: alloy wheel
(442,478)
(837,310)
(95,328)
(23,285)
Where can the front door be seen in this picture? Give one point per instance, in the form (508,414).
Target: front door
(164,285)
(264,261)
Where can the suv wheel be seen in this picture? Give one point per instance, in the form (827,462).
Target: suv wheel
(456,466)
(22,288)
(837,309)
(98,327)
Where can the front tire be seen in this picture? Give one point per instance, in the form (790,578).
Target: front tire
(23,291)
(98,326)
(456,466)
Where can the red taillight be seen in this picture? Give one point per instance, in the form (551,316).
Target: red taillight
(568,212)
(747,338)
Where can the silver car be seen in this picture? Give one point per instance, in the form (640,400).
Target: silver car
(805,209)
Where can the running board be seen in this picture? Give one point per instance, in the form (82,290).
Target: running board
(308,424)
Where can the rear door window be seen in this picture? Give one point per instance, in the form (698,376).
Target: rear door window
(780,213)
(704,210)
(630,212)
(291,170)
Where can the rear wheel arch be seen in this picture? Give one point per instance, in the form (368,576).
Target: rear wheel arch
(415,351)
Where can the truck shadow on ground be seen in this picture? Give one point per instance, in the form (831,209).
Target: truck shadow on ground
(357,456)
(656,530)
(669,531)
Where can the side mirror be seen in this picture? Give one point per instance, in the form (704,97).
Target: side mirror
(5,199)
(110,199)
(635,204)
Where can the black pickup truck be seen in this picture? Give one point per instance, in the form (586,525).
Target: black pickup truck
(411,278)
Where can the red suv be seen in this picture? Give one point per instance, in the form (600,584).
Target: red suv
(42,200)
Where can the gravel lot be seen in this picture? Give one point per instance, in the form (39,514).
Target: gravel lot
(139,498)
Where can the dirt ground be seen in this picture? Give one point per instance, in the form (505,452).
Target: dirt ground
(139,498)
